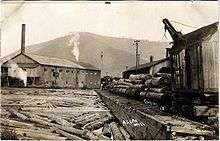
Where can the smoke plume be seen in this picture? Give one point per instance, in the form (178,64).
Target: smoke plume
(16,72)
(73,41)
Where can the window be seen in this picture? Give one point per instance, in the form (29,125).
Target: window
(66,82)
(60,70)
(45,69)
(72,71)
(67,71)
(52,70)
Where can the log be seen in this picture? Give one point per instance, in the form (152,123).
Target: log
(158,82)
(68,135)
(131,92)
(140,76)
(45,123)
(139,87)
(84,118)
(159,90)
(155,97)
(117,135)
(98,124)
(106,130)
(57,120)
(17,114)
(29,114)
(125,133)
(124,83)
(88,120)
(121,91)
(91,136)
(121,86)
(165,75)
(41,136)
(38,133)
(14,123)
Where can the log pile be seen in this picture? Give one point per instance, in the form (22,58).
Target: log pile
(57,115)
(144,86)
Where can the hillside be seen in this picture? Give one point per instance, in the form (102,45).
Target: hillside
(117,52)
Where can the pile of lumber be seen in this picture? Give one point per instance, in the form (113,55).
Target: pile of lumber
(145,86)
(58,115)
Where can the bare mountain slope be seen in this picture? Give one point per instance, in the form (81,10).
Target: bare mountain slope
(118,52)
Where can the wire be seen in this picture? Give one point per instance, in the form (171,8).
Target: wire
(184,24)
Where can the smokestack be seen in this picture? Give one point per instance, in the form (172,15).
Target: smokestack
(23,39)
(151,58)
(167,52)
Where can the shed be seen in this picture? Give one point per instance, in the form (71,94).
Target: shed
(194,62)
(149,68)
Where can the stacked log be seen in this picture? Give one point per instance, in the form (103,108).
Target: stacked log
(145,86)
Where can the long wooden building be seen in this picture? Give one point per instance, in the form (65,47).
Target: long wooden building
(41,71)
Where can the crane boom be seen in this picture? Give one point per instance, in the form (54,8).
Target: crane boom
(173,33)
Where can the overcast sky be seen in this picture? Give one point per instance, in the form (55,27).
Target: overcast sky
(141,20)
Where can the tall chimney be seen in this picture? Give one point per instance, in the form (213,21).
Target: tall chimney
(151,58)
(23,39)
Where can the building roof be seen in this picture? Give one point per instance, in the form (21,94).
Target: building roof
(201,33)
(194,37)
(52,61)
(147,65)
(43,60)
(87,66)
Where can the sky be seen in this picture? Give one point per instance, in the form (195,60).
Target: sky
(138,20)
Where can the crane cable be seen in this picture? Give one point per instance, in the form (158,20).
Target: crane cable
(184,24)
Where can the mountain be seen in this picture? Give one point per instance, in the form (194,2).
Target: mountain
(117,52)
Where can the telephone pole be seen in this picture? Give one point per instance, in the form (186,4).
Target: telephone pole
(137,54)
(102,63)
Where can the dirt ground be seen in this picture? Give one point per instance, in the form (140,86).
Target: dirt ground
(56,114)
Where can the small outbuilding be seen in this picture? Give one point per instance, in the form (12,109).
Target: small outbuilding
(162,65)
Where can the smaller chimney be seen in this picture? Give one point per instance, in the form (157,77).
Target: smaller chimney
(151,58)
(23,39)
(167,52)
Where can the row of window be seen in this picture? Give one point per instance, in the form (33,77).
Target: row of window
(95,83)
(91,73)
(67,71)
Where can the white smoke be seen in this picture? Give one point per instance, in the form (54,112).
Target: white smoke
(73,41)
(16,72)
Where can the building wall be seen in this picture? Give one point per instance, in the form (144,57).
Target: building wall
(93,79)
(154,69)
(89,78)
(58,76)
(211,63)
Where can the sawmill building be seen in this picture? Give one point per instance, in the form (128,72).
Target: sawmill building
(51,72)
(40,71)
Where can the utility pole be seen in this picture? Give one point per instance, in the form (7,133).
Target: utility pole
(137,54)
(102,55)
